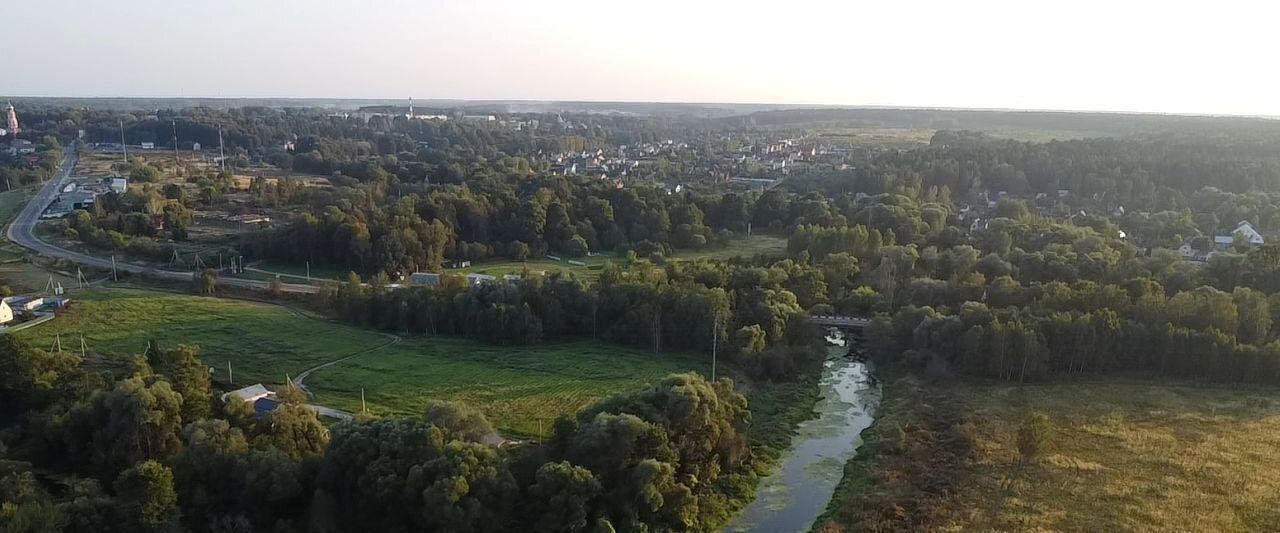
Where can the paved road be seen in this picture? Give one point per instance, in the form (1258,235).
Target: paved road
(21,232)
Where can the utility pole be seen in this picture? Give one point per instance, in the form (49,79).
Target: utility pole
(175,145)
(124,147)
(229,380)
(114,277)
(308,270)
(222,156)
(83,349)
(363,407)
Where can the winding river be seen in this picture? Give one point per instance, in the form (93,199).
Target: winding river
(791,498)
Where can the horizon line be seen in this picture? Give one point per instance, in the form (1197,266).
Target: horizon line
(792,106)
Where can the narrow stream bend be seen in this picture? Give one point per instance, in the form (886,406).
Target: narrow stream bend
(791,498)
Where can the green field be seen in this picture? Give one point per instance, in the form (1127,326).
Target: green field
(263,342)
(744,247)
(516,387)
(11,203)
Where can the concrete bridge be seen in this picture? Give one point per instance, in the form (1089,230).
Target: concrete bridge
(840,321)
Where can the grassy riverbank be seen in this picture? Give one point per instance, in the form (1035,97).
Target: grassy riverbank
(915,457)
(1124,455)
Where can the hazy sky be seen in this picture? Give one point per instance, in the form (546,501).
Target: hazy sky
(1207,57)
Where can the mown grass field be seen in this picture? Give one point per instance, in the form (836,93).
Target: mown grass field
(263,342)
(518,388)
(1127,457)
(515,386)
(744,247)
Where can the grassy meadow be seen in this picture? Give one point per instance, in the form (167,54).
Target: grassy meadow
(1122,456)
(515,386)
(263,342)
(590,270)
(1128,457)
(740,247)
(518,388)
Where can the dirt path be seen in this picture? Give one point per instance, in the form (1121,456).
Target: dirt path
(301,379)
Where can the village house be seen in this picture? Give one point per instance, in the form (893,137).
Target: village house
(476,279)
(1245,230)
(424,278)
(263,400)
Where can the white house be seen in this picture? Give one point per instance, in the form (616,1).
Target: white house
(1244,229)
(476,279)
(119,185)
(249,394)
(6,313)
(263,400)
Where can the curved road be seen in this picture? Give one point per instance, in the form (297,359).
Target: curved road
(22,232)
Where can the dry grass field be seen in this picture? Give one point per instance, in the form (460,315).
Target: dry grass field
(1128,457)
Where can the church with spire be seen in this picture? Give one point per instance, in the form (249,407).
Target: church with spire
(11,121)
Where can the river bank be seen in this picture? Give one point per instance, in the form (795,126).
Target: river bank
(917,457)
(792,497)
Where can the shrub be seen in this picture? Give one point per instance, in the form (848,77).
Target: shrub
(1035,435)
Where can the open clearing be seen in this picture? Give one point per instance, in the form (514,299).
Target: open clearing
(590,270)
(1127,456)
(515,386)
(741,247)
(263,342)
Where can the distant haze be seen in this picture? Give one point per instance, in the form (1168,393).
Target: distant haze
(1213,58)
